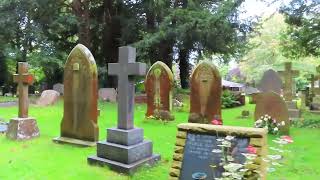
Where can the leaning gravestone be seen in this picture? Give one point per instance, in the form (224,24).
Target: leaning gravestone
(59,88)
(270,82)
(159,86)
(125,149)
(205,95)
(108,94)
(198,151)
(79,124)
(288,74)
(48,97)
(23,127)
(273,105)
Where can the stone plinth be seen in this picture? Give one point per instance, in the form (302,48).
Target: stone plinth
(22,129)
(124,151)
(294,112)
(79,142)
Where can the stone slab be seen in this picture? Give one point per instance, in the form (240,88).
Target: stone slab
(294,113)
(74,141)
(48,97)
(108,94)
(292,104)
(3,128)
(22,129)
(125,137)
(124,168)
(124,154)
(59,88)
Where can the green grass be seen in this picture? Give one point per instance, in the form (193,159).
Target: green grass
(42,159)
(7,99)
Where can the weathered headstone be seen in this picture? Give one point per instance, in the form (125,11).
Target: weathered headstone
(205,95)
(159,85)
(288,74)
(273,105)
(59,88)
(3,126)
(48,97)
(125,149)
(270,82)
(23,127)
(79,124)
(197,150)
(108,94)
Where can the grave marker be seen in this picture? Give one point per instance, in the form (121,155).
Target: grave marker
(23,127)
(195,144)
(205,95)
(288,74)
(159,86)
(125,149)
(79,124)
(270,81)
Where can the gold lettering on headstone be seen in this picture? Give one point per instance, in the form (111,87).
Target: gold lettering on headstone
(76,67)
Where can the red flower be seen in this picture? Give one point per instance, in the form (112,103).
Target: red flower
(216,122)
(251,149)
(287,138)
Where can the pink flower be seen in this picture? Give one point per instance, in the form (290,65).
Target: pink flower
(216,122)
(251,149)
(287,138)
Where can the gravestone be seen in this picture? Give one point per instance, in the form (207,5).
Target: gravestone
(48,97)
(108,94)
(125,150)
(270,82)
(273,105)
(159,85)
(205,94)
(315,91)
(59,88)
(3,126)
(288,75)
(302,95)
(197,144)
(79,124)
(23,127)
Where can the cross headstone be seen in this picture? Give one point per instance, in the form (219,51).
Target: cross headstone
(125,149)
(288,74)
(24,80)
(23,127)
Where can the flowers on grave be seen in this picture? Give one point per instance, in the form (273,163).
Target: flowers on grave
(287,139)
(232,166)
(216,120)
(269,123)
(251,149)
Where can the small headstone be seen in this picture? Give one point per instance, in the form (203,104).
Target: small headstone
(79,124)
(125,149)
(205,95)
(198,151)
(272,104)
(108,94)
(48,97)
(59,88)
(23,127)
(159,85)
(270,82)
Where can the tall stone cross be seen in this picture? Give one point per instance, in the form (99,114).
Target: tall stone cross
(126,69)
(288,74)
(24,80)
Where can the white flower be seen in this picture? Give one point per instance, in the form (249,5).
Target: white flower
(275,129)
(229,138)
(283,123)
(217,151)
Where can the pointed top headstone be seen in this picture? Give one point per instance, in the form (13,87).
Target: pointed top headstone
(270,82)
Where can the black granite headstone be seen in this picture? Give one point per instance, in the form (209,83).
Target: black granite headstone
(198,155)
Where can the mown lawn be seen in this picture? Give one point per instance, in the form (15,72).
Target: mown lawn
(42,159)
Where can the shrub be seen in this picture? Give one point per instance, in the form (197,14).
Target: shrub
(228,99)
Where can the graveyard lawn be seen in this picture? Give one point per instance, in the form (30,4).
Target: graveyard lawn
(42,159)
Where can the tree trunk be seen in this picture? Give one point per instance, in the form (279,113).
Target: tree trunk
(82,11)
(184,68)
(165,48)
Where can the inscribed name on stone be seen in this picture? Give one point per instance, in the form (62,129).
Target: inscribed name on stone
(273,105)
(80,96)
(270,82)
(159,86)
(205,95)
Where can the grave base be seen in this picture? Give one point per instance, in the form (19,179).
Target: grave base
(294,113)
(124,151)
(74,141)
(22,129)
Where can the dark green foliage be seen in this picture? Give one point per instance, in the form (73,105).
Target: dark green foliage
(228,99)
(3,71)
(303,34)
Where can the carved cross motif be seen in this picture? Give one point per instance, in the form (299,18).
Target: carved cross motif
(23,79)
